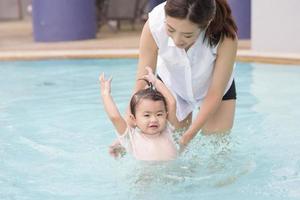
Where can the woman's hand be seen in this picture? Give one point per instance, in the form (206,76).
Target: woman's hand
(184,141)
(105,85)
(182,144)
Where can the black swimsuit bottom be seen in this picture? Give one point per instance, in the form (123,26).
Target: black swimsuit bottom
(231,93)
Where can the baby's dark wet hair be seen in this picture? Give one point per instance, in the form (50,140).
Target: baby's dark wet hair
(148,93)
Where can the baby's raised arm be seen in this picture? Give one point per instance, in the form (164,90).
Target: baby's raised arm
(171,101)
(110,106)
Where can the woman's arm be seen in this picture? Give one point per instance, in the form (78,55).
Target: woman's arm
(226,55)
(147,56)
(110,106)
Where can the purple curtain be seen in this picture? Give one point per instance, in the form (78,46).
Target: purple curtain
(64,20)
(241,10)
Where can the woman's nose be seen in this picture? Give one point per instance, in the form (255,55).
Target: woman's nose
(177,40)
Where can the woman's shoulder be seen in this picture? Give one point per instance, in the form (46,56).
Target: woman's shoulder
(156,24)
(159,8)
(227,45)
(157,17)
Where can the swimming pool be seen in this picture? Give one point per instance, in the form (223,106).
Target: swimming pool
(54,137)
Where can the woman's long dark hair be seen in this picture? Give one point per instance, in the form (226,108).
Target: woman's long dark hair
(215,15)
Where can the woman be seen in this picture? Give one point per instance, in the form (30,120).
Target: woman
(192,45)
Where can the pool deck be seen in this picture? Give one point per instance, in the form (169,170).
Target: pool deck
(17,43)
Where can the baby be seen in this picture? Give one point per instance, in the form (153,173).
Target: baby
(151,138)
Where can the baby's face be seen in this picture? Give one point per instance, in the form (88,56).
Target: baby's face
(151,116)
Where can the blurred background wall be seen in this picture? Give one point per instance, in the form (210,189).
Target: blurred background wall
(26,8)
(14,9)
(271,25)
(275,25)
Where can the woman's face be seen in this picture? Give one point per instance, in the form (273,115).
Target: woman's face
(183,32)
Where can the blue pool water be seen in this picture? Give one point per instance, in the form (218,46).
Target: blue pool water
(54,137)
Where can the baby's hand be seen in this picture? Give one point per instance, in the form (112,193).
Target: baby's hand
(150,76)
(116,150)
(105,84)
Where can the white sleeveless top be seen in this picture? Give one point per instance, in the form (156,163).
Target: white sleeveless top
(187,74)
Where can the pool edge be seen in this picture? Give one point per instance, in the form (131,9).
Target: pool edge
(242,55)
